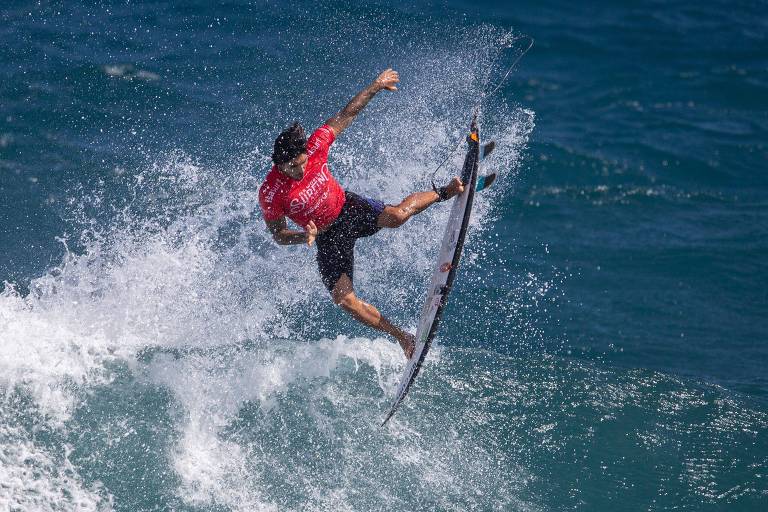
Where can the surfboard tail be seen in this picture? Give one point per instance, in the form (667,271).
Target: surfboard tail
(488,148)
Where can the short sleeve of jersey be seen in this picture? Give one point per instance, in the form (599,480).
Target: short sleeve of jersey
(270,205)
(319,143)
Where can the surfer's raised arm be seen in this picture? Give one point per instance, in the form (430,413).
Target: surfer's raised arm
(386,80)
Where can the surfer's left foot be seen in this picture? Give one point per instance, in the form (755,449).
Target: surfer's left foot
(455,187)
(408,344)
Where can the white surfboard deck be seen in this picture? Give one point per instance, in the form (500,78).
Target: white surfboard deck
(445,270)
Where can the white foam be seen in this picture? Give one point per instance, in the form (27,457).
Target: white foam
(212,390)
(43,352)
(32,479)
(129,72)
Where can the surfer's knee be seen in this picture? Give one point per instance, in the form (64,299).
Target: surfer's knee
(343,294)
(393,217)
(348,303)
(401,217)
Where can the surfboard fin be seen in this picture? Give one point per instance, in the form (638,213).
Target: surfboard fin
(487,149)
(486,181)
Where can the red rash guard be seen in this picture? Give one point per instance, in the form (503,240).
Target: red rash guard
(317,196)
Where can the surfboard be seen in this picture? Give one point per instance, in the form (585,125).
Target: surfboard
(447,262)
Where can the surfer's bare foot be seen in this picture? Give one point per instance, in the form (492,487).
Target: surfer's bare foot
(408,344)
(454,188)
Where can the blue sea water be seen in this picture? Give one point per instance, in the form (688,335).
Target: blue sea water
(605,346)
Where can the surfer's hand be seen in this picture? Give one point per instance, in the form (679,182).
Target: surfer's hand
(387,80)
(311,231)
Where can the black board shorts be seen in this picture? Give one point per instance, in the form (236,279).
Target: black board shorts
(336,245)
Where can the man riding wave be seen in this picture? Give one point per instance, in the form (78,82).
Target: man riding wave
(301,187)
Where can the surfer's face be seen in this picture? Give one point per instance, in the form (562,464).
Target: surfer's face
(295,168)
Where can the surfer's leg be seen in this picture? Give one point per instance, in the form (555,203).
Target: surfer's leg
(343,295)
(336,262)
(396,216)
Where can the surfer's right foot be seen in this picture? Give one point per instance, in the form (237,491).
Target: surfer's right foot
(408,344)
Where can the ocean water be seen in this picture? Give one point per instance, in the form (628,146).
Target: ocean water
(605,347)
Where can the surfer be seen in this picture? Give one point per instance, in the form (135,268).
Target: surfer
(300,187)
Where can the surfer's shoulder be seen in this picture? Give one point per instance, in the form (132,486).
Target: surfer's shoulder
(322,138)
(273,183)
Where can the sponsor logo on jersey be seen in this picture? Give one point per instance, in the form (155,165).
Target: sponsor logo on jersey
(309,193)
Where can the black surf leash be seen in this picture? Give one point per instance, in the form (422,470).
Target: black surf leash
(442,191)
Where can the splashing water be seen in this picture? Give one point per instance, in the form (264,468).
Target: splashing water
(179,299)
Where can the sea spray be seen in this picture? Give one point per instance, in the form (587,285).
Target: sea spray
(171,292)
